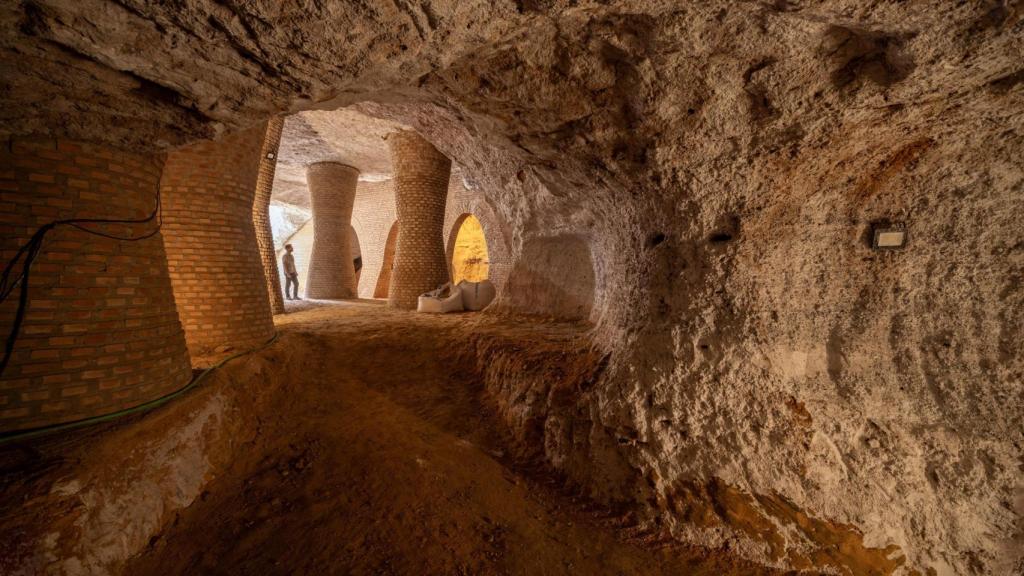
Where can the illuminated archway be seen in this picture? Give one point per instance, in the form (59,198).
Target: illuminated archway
(468,250)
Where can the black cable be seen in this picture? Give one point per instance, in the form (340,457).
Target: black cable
(30,250)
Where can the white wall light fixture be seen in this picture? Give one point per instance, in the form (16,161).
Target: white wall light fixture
(889,237)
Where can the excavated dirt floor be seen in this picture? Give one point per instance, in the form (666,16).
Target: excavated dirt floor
(375,454)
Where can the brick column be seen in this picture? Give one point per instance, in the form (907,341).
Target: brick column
(101,332)
(261,212)
(421,188)
(332,191)
(214,260)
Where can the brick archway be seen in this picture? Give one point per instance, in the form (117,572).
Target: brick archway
(452,248)
(463,201)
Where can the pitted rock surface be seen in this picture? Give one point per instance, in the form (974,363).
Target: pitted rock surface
(716,168)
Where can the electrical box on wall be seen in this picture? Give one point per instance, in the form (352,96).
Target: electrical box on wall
(888,237)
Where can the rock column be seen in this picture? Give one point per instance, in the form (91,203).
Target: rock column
(208,191)
(421,189)
(332,191)
(261,212)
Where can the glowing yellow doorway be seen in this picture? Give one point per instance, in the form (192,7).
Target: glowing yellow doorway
(469,259)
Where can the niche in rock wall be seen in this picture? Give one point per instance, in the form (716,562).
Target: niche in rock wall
(469,259)
(553,275)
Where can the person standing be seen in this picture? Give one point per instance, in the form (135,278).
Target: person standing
(290,273)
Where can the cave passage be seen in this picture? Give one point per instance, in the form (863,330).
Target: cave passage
(391,460)
(512,287)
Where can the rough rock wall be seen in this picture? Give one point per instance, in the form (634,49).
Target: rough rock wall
(148,74)
(763,350)
(721,163)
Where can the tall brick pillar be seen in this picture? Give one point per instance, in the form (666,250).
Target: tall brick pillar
(332,191)
(213,256)
(261,212)
(100,332)
(421,188)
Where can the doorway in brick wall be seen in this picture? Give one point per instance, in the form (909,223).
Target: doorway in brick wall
(467,250)
(355,255)
(384,279)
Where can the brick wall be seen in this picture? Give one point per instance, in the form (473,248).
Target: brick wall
(214,260)
(261,212)
(463,201)
(421,188)
(332,191)
(302,242)
(373,216)
(101,332)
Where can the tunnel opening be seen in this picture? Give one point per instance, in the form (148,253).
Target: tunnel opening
(468,249)
(355,254)
(388,263)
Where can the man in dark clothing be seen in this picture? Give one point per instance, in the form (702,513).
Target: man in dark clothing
(291,275)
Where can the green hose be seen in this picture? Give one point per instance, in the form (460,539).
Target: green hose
(35,432)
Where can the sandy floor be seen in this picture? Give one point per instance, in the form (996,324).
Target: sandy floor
(383,459)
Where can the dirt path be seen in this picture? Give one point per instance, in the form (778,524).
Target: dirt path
(383,460)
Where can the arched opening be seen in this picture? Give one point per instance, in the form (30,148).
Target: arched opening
(355,255)
(301,241)
(384,279)
(468,251)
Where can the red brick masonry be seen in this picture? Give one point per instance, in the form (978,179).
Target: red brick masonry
(213,257)
(421,189)
(101,331)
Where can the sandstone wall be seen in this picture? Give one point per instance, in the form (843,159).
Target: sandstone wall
(772,384)
(100,331)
